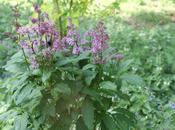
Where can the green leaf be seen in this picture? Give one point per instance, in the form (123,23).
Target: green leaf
(46,75)
(122,121)
(24,93)
(93,93)
(88,114)
(49,109)
(108,85)
(89,76)
(125,112)
(21,121)
(133,79)
(125,64)
(7,115)
(121,95)
(82,56)
(65,61)
(89,66)
(109,122)
(60,88)
(80,125)
(71,60)
(16,63)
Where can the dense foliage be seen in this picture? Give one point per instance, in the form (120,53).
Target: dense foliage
(64,82)
(69,71)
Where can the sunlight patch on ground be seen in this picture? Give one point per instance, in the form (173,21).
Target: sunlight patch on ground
(147,12)
(99,5)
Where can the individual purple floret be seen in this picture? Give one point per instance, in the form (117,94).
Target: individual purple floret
(37,8)
(24,30)
(76,50)
(34,20)
(23,44)
(34,63)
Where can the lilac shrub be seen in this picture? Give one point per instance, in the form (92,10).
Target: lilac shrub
(70,82)
(41,39)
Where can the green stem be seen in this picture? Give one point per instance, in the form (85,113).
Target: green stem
(24,54)
(25,59)
(60,25)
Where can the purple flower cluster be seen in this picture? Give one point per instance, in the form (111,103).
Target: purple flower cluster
(99,42)
(42,39)
(96,42)
(72,38)
(99,39)
(39,38)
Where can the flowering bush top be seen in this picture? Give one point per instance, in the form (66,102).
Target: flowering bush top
(69,82)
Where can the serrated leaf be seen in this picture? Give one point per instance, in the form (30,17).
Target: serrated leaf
(46,75)
(122,122)
(23,94)
(73,59)
(82,56)
(88,114)
(65,61)
(21,121)
(80,125)
(126,113)
(121,95)
(89,76)
(133,79)
(60,88)
(89,66)
(108,85)
(109,122)
(93,93)
(125,64)
(7,115)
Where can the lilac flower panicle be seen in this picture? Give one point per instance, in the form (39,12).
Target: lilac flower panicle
(23,44)
(83,41)
(34,63)
(76,50)
(24,30)
(95,49)
(35,42)
(47,28)
(42,39)
(99,41)
(39,39)
(47,53)
(70,41)
(58,45)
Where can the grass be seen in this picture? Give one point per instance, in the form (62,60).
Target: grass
(149,14)
(145,32)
